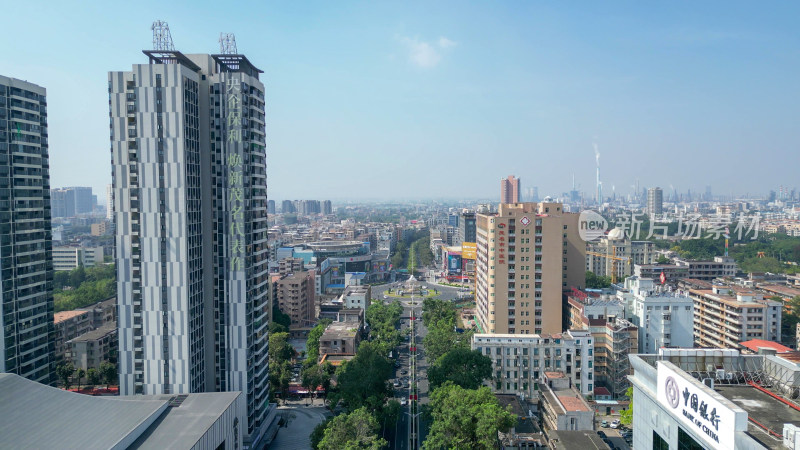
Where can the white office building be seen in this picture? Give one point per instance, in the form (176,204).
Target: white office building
(68,258)
(664,318)
(519,361)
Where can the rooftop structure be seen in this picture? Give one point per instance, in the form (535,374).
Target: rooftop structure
(715,399)
(39,416)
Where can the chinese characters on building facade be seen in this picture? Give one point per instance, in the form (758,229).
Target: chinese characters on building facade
(234,165)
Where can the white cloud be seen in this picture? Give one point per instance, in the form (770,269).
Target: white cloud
(446,43)
(426,54)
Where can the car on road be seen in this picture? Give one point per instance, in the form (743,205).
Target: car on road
(604,424)
(396,384)
(615,424)
(403,402)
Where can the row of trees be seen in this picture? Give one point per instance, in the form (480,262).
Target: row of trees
(67,374)
(440,318)
(82,287)
(413,250)
(362,387)
(463,413)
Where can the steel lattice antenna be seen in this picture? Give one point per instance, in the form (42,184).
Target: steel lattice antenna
(227,44)
(162,39)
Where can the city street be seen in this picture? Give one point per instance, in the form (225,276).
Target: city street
(299,420)
(411,372)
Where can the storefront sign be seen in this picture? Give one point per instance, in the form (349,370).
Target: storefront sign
(695,409)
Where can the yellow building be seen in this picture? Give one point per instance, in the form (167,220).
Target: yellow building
(527,254)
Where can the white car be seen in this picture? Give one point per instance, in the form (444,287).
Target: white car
(403,402)
(615,424)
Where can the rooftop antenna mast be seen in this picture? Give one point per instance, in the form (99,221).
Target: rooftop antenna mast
(227,44)
(162,39)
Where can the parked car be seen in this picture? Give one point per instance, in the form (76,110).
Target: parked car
(604,424)
(601,434)
(615,424)
(627,435)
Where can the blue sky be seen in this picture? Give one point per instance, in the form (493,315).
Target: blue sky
(442,99)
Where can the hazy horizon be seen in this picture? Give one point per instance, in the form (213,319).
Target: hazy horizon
(419,100)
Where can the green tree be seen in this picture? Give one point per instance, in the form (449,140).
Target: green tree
(466,419)
(280,375)
(462,366)
(93,376)
(442,337)
(64,373)
(279,317)
(318,433)
(108,372)
(662,259)
(626,415)
(356,430)
(363,381)
(79,374)
(77,276)
(279,348)
(312,342)
(435,310)
(275,327)
(383,319)
(318,375)
(596,282)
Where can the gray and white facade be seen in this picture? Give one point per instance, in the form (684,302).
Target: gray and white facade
(519,361)
(190,208)
(664,318)
(26,269)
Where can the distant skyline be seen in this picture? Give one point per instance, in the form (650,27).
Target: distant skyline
(442,100)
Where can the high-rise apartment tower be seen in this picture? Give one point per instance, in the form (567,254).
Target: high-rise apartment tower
(509,190)
(655,201)
(190,207)
(27,341)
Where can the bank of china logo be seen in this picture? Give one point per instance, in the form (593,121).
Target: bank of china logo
(591,225)
(672,392)
(525,221)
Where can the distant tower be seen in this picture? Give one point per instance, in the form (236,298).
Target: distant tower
(655,201)
(599,184)
(509,190)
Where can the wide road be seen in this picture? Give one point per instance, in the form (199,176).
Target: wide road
(410,372)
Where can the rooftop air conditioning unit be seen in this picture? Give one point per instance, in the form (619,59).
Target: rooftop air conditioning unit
(720,374)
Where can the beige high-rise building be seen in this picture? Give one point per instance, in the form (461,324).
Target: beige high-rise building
(509,190)
(527,254)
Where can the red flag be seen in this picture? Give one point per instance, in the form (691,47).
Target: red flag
(663,277)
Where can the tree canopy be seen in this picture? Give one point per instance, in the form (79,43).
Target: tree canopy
(356,430)
(462,366)
(312,342)
(363,381)
(596,282)
(82,287)
(626,415)
(466,418)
